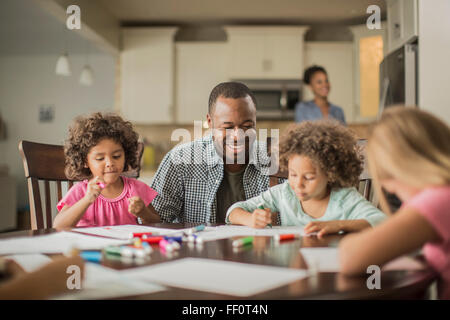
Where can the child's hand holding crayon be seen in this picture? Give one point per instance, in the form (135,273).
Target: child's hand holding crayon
(94,189)
(261,218)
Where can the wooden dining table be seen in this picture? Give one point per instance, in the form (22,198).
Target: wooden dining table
(266,251)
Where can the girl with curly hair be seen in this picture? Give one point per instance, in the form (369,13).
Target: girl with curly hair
(409,155)
(323,164)
(99,149)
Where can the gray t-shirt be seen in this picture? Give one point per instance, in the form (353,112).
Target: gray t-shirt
(230,191)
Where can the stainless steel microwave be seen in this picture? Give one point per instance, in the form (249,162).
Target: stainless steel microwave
(275,99)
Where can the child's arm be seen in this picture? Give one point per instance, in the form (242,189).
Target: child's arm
(249,212)
(329,227)
(260,218)
(69,216)
(405,232)
(147,214)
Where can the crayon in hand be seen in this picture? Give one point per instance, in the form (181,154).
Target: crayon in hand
(261,206)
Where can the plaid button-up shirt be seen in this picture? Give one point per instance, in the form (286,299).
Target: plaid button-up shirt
(190,174)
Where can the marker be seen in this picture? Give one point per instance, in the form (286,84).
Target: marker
(242,242)
(178,239)
(139,253)
(129,251)
(146,247)
(175,245)
(126,251)
(196,229)
(199,241)
(165,245)
(281,237)
(153,239)
(72,252)
(101,184)
(192,238)
(113,250)
(92,256)
(140,235)
(137,243)
(261,206)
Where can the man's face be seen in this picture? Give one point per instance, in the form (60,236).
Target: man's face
(233,124)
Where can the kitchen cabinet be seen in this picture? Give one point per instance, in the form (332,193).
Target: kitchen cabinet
(262,52)
(402,20)
(147,74)
(200,66)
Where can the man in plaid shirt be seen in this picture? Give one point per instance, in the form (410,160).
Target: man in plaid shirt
(198,181)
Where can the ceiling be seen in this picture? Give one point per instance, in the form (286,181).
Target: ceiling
(38,32)
(26,29)
(130,12)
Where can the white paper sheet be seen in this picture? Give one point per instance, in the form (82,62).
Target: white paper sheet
(124,231)
(224,232)
(30,262)
(58,242)
(223,277)
(327,260)
(321,259)
(104,283)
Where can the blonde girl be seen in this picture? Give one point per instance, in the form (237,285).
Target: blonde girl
(409,155)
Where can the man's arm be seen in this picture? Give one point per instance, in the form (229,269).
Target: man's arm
(167,182)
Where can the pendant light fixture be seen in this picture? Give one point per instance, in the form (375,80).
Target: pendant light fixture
(63,63)
(87,74)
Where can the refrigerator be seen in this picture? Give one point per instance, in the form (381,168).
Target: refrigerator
(398,78)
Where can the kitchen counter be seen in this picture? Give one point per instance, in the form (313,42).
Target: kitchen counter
(146,176)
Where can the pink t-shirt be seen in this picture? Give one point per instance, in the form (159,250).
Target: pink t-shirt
(434,205)
(105,211)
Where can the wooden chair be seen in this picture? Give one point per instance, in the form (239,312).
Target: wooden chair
(45,162)
(365,181)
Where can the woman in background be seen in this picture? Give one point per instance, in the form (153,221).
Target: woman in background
(318,108)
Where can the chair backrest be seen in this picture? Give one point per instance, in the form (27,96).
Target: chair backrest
(45,162)
(365,181)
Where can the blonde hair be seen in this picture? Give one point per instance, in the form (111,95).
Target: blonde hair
(410,145)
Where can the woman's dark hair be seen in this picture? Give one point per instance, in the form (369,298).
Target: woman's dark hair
(331,146)
(87,132)
(310,72)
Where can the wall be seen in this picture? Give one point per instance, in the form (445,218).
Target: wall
(434,53)
(28,79)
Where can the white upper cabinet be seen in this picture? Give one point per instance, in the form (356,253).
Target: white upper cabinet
(200,66)
(402,17)
(274,52)
(147,74)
